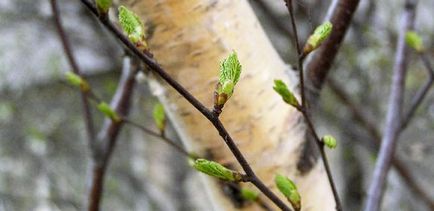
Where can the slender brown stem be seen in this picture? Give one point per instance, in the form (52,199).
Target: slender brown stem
(152,133)
(394,113)
(90,129)
(108,134)
(156,68)
(319,63)
(304,107)
(420,94)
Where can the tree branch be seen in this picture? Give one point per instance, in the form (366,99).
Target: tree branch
(318,66)
(420,94)
(109,134)
(156,68)
(393,117)
(304,107)
(90,129)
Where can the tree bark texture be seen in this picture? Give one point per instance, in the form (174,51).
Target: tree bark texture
(190,38)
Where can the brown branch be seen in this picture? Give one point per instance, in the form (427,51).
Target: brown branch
(304,107)
(156,68)
(157,135)
(420,94)
(394,113)
(318,66)
(109,134)
(375,135)
(90,129)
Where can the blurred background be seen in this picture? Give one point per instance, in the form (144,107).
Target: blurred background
(44,155)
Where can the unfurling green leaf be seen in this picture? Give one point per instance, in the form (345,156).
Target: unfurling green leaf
(230,71)
(329,141)
(289,190)
(159,117)
(249,195)
(215,169)
(103,6)
(108,111)
(77,81)
(414,41)
(132,25)
(321,33)
(287,96)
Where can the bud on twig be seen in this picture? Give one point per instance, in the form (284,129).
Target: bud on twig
(414,41)
(329,141)
(249,195)
(103,6)
(159,117)
(108,112)
(77,81)
(321,33)
(215,169)
(289,190)
(287,96)
(230,71)
(133,26)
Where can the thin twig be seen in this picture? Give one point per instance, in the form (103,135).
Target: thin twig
(108,135)
(318,65)
(156,68)
(394,113)
(375,135)
(420,94)
(304,107)
(155,134)
(88,120)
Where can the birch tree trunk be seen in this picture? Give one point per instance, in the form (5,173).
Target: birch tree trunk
(190,38)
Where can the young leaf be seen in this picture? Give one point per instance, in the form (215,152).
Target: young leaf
(230,71)
(108,111)
(132,25)
(321,33)
(103,6)
(215,169)
(414,41)
(159,117)
(77,81)
(329,141)
(249,195)
(289,190)
(287,96)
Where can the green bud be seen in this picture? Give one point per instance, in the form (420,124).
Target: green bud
(132,25)
(77,81)
(321,33)
(414,41)
(159,117)
(103,6)
(287,96)
(249,195)
(329,141)
(215,169)
(108,111)
(289,190)
(230,71)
